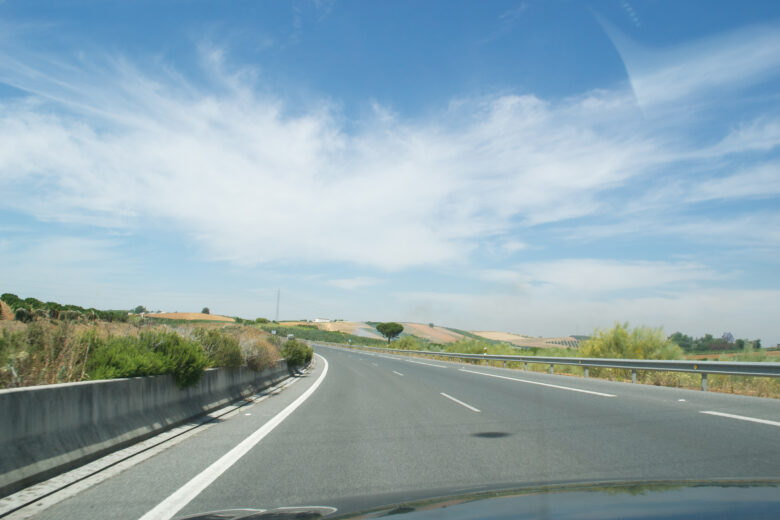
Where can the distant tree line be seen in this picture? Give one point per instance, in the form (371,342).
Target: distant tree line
(31,309)
(709,343)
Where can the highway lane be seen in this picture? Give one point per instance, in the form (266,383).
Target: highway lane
(388,428)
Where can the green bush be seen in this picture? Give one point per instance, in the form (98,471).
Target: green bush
(12,300)
(639,343)
(118,316)
(151,353)
(296,353)
(69,315)
(23,315)
(222,350)
(410,343)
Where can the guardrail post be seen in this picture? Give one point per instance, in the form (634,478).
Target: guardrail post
(551,368)
(586,372)
(525,366)
(704,382)
(504,363)
(633,375)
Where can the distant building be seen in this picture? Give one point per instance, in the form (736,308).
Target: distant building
(320,320)
(728,337)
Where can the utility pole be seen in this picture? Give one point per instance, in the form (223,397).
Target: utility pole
(278,294)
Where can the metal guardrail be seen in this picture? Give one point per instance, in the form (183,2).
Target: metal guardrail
(769,369)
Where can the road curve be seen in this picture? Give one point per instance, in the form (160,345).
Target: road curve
(383,428)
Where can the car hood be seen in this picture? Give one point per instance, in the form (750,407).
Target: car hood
(602,500)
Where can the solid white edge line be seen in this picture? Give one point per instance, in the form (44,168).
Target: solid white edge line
(538,383)
(742,418)
(460,402)
(184,495)
(399,373)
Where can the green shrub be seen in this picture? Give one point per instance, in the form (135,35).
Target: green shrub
(410,343)
(296,353)
(12,300)
(222,350)
(151,353)
(118,316)
(23,315)
(124,357)
(639,343)
(69,315)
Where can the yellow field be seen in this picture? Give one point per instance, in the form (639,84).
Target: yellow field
(190,316)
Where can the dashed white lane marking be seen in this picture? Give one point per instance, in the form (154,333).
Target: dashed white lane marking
(600,394)
(681,400)
(460,402)
(422,363)
(181,497)
(398,373)
(375,364)
(742,418)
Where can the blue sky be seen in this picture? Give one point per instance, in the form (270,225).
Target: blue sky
(537,167)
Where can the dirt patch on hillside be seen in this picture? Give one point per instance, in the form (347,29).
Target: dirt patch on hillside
(5,311)
(356,328)
(190,316)
(433,334)
(500,336)
(528,341)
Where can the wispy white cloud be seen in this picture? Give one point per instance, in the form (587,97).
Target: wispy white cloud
(351,284)
(597,276)
(571,276)
(252,182)
(758,230)
(762,181)
(506,23)
(722,61)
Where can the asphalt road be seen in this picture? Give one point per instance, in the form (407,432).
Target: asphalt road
(380,429)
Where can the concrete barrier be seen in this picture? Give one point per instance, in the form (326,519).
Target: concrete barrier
(46,430)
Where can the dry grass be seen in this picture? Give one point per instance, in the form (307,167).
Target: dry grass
(49,351)
(5,311)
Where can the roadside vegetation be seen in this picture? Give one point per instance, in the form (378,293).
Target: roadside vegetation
(620,341)
(297,353)
(47,351)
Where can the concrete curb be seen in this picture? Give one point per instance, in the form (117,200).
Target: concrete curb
(46,430)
